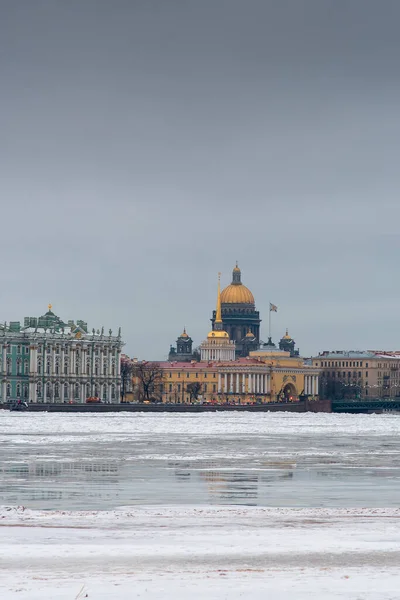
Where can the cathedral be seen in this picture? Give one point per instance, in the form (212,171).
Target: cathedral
(240,319)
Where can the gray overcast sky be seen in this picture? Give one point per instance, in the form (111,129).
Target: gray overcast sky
(146,145)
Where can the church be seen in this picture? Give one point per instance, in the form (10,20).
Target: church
(232,364)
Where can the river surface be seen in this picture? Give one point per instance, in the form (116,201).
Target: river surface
(103,461)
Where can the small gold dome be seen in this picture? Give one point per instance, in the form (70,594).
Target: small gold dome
(287,336)
(249,334)
(237,294)
(218,334)
(184,334)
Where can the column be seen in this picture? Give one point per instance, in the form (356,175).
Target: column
(231,382)
(219,383)
(225,383)
(62,396)
(237,383)
(109,393)
(4,361)
(83,394)
(316,385)
(243,383)
(262,383)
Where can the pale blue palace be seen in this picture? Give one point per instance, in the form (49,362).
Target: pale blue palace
(48,360)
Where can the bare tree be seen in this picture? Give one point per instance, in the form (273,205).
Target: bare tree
(194,389)
(150,380)
(196,354)
(126,376)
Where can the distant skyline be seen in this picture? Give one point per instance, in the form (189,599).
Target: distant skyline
(145,146)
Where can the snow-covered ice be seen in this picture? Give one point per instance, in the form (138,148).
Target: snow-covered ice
(200,552)
(223,506)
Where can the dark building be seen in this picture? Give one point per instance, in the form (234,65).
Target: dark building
(240,318)
(183,351)
(288,345)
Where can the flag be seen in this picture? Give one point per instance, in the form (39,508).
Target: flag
(273,308)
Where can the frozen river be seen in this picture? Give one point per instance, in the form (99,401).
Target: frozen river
(102,461)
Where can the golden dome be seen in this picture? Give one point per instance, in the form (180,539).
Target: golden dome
(287,336)
(218,334)
(249,334)
(237,293)
(184,334)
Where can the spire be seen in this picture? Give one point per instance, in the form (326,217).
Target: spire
(218,315)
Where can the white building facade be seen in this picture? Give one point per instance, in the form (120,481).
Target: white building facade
(49,361)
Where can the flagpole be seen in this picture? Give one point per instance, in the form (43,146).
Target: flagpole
(269,327)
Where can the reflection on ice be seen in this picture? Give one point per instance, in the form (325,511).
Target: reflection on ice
(103,461)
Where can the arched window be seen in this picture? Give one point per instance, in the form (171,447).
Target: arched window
(25,392)
(48,367)
(113,392)
(8,366)
(96,369)
(96,390)
(77,390)
(66,391)
(18,390)
(26,367)
(88,390)
(19,367)
(105,367)
(56,390)
(66,367)
(8,390)
(104,392)
(57,368)
(48,390)
(39,367)
(39,390)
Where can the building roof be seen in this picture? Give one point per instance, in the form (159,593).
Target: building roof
(343,354)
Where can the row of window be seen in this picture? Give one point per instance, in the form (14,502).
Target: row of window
(338,363)
(178,387)
(196,375)
(338,374)
(57,369)
(58,349)
(55,392)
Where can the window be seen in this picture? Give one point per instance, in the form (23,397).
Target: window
(66,368)
(39,367)
(18,349)
(366,365)
(366,373)
(66,391)
(359,373)
(197,375)
(179,374)
(26,367)
(8,366)
(27,350)
(170,387)
(214,387)
(205,375)
(18,390)
(366,392)
(214,375)
(48,368)
(39,390)
(19,368)
(187,375)
(205,387)
(179,387)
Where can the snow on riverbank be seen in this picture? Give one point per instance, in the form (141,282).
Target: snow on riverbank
(200,552)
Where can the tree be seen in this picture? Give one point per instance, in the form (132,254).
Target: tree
(126,376)
(149,379)
(196,354)
(194,389)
